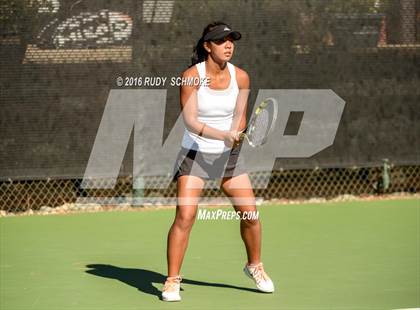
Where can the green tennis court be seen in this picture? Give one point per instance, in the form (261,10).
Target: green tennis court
(349,255)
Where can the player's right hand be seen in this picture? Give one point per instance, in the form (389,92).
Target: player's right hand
(231,138)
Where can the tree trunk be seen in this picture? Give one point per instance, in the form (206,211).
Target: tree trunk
(408,21)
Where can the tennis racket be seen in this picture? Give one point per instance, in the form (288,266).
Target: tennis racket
(261,123)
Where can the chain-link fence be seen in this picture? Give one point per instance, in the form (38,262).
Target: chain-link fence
(19,196)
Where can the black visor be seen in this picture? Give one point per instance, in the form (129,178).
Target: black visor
(220,32)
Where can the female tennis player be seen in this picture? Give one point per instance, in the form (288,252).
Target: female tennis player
(214,115)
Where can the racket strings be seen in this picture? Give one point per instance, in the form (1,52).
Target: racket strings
(260,128)
(262,122)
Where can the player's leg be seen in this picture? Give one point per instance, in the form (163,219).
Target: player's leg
(189,192)
(239,190)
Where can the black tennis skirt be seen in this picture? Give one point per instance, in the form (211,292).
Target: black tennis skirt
(209,166)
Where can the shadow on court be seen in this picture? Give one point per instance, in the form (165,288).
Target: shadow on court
(142,279)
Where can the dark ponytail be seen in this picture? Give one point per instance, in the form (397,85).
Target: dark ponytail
(199,53)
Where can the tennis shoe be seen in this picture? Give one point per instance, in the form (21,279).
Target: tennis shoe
(170,291)
(261,279)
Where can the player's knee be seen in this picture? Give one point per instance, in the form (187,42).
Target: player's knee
(185,220)
(250,222)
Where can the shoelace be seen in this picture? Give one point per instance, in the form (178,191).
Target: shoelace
(258,273)
(171,283)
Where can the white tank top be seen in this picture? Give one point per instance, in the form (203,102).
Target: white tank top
(215,109)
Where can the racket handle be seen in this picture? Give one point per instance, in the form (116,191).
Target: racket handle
(243,135)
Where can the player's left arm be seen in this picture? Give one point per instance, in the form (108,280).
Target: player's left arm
(239,114)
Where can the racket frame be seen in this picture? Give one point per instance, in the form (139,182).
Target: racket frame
(251,125)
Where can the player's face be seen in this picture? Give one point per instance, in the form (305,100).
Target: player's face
(222,50)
